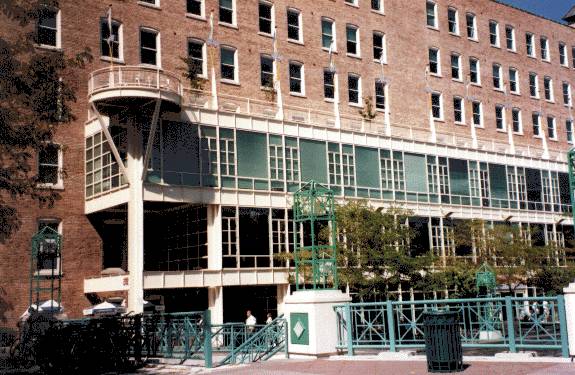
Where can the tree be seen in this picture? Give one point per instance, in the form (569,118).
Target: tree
(36,89)
(552,279)
(374,255)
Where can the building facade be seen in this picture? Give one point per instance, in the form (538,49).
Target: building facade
(178,188)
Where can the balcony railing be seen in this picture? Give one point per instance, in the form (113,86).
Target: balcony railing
(308,116)
(134,77)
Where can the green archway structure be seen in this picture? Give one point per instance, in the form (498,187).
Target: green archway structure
(485,280)
(45,269)
(315,238)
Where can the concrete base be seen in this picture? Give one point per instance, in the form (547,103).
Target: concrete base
(490,336)
(569,293)
(317,307)
(396,356)
(516,356)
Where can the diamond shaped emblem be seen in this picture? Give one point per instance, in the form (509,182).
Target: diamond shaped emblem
(298,329)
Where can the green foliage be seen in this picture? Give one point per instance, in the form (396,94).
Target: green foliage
(36,89)
(192,73)
(551,279)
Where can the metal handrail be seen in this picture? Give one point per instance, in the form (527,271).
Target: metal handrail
(133,77)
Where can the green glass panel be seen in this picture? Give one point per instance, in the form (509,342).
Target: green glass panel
(227,133)
(244,183)
(291,142)
(261,185)
(367,167)
(252,154)
(275,139)
(415,170)
(498,181)
(348,149)
(228,182)
(313,161)
(333,147)
(208,131)
(458,177)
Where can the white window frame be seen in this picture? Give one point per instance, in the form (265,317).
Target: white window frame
(455,22)
(438,73)
(60,181)
(234,15)
(569,131)
(537,96)
(459,77)
(497,36)
(481,121)
(333,33)
(462,110)
(569,96)
(158,46)
(513,41)
(383,85)
(299,25)
(381,8)
(357,40)
(58,31)
(519,121)
(441,111)
(544,44)
(335,87)
(302,79)
(156,3)
(473,26)
(120,58)
(478,64)
(563,55)
(499,86)
(58,269)
(353,3)
(359,90)
(551,98)
(236,79)
(517,90)
(272,15)
(530,43)
(202,14)
(554,122)
(383,46)
(435,20)
(503,122)
(538,127)
(204,73)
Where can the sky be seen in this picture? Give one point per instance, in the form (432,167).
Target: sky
(553,9)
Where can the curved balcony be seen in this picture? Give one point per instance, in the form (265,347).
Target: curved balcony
(118,82)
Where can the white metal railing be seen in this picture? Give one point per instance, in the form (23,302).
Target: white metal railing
(315,117)
(133,77)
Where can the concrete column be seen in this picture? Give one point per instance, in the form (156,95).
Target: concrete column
(135,220)
(282,292)
(569,294)
(216,304)
(214,237)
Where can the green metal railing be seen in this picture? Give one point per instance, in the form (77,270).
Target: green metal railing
(510,323)
(260,344)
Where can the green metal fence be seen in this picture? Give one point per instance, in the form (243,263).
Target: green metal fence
(510,323)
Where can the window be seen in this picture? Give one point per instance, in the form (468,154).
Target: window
(453,21)
(266,71)
(573,56)
(50,165)
(434,66)
(352,34)
(149,47)
(548,88)
(567,94)
(380,95)
(296,78)
(551,128)
(544,48)
(516,120)
(327,33)
(510,37)
(354,88)
(292,160)
(563,54)
(477,115)
(228,63)
(458,110)
(334,162)
(348,166)
(436,106)
(474,75)
(48,261)
(569,130)
(195,7)
(379,52)
(529,43)
(513,81)
(535,118)
(110,39)
(351,2)
(294,25)
(328,84)
(266,17)
(456,66)
(533,85)
(494,33)
(227,12)
(499,117)
(196,54)
(471,27)
(48,27)
(377,5)
(497,76)
(155,3)
(431,10)
(227,153)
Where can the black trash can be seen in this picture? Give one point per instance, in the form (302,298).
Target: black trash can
(442,341)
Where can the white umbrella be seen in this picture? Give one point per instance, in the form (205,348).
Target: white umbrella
(104,308)
(50,305)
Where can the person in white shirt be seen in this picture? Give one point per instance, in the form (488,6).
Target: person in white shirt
(269,319)
(250,321)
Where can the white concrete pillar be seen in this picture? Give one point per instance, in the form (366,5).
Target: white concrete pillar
(569,294)
(135,220)
(214,237)
(282,292)
(216,304)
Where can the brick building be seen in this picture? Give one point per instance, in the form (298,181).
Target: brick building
(470,117)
